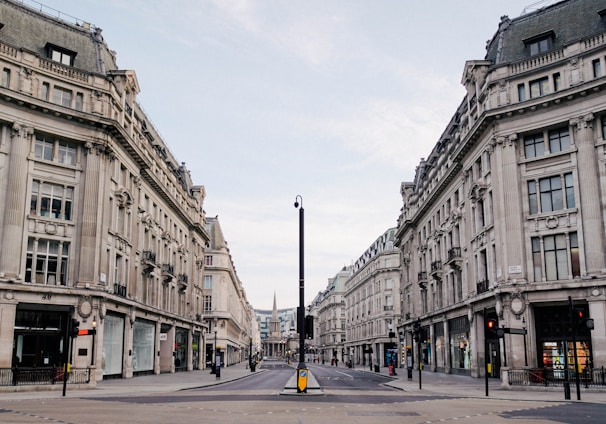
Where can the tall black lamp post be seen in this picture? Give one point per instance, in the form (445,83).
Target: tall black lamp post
(301,369)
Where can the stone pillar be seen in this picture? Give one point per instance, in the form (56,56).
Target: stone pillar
(92,203)
(508,208)
(16,201)
(589,194)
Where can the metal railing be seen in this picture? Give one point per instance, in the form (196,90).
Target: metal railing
(553,378)
(42,376)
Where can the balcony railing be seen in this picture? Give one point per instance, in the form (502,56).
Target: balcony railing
(482,286)
(454,253)
(422,276)
(436,266)
(168,269)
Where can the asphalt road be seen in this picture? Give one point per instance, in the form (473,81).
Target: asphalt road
(349,396)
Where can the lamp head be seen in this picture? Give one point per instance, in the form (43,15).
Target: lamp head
(298,201)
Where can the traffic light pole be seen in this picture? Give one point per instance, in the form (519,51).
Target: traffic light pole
(573,324)
(486,355)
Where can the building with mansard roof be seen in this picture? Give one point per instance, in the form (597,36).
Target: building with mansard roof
(99,223)
(372,308)
(226,309)
(504,220)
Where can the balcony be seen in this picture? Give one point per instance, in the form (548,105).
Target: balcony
(168,272)
(422,279)
(148,260)
(120,289)
(436,270)
(482,286)
(182,280)
(454,257)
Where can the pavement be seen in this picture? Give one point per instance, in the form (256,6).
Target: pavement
(432,384)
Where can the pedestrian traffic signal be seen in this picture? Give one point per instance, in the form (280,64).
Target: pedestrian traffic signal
(74,328)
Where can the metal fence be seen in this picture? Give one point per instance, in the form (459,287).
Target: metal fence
(549,377)
(42,376)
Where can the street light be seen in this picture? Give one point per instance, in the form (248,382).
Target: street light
(301,370)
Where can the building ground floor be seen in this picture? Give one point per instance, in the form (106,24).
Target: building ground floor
(123,339)
(534,329)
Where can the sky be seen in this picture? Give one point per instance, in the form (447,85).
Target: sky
(333,100)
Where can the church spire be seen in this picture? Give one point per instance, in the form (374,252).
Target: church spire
(274,313)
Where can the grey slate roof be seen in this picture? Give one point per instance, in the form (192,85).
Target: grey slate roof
(31,30)
(570,20)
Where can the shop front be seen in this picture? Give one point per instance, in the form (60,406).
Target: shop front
(113,345)
(143,347)
(460,346)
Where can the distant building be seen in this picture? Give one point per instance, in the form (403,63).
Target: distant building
(504,220)
(372,307)
(226,309)
(278,331)
(328,309)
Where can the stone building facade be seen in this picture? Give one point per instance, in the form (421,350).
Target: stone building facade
(98,220)
(226,309)
(505,218)
(372,307)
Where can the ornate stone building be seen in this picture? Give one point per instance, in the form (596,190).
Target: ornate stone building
(226,309)
(372,307)
(505,218)
(99,222)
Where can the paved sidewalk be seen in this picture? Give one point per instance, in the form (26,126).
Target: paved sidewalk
(432,383)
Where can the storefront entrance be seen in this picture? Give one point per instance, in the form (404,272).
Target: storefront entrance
(555,346)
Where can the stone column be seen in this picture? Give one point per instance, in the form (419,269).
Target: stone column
(508,209)
(16,201)
(88,266)
(589,194)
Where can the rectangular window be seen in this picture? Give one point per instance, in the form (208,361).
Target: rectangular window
(46,262)
(208,260)
(62,96)
(45,91)
(67,153)
(534,146)
(51,200)
(554,194)
(61,56)
(559,140)
(597,68)
(539,87)
(557,82)
(521,92)
(557,251)
(43,148)
(208,303)
(540,44)
(532,197)
(6,77)
(79,101)
(208,281)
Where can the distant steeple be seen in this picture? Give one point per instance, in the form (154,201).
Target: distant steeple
(274,322)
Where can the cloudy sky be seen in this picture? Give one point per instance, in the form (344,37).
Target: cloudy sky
(264,100)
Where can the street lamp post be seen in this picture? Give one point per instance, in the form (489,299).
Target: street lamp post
(93,354)
(525,348)
(301,370)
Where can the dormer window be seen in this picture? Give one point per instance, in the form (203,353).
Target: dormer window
(541,43)
(60,54)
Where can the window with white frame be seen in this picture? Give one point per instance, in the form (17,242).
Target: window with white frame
(208,260)
(6,77)
(62,96)
(61,151)
(208,281)
(51,200)
(46,261)
(208,303)
(60,54)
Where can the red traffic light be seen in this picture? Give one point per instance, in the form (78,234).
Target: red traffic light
(491,324)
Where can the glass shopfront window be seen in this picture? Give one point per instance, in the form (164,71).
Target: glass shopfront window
(460,347)
(113,345)
(181,348)
(143,345)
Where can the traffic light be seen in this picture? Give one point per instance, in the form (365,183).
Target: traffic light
(309,326)
(491,327)
(581,321)
(74,328)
